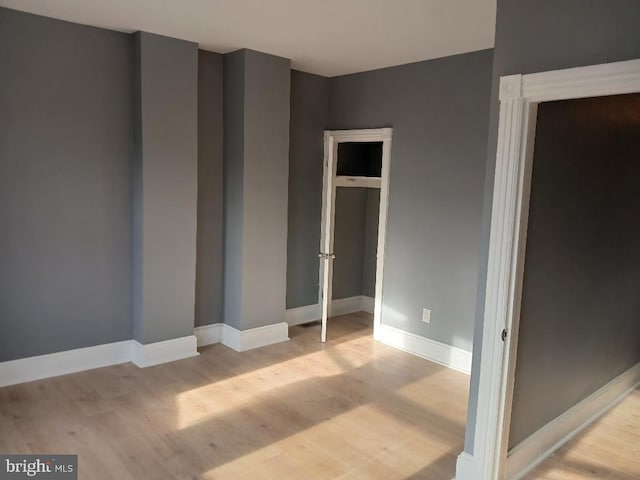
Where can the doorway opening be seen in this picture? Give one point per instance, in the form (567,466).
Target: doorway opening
(356,171)
(495,454)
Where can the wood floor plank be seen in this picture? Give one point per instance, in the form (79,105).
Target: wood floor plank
(608,449)
(348,409)
(351,408)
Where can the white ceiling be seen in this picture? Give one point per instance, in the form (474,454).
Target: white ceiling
(327,37)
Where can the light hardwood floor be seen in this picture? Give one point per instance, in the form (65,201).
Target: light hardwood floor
(608,449)
(350,409)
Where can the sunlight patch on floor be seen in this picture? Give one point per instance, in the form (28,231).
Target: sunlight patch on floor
(346,447)
(204,403)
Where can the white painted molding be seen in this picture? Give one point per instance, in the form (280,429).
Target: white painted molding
(592,81)
(344,306)
(362,182)
(242,340)
(446,355)
(464,466)
(368,304)
(72,361)
(363,135)
(332,138)
(162,352)
(208,334)
(62,363)
(81,359)
(441,353)
(306,314)
(536,448)
(510,87)
(519,97)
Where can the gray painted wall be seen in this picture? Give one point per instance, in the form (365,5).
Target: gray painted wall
(353,273)
(580,315)
(165,187)
(260,133)
(233,184)
(65,185)
(535,36)
(348,242)
(436,184)
(309,113)
(369,262)
(355,242)
(209,266)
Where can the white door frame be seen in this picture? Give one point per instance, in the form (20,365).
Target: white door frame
(332,138)
(519,99)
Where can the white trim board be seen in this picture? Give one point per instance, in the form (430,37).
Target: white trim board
(332,139)
(441,353)
(540,445)
(368,304)
(98,356)
(519,97)
(151,354)
(342,306)
(61,363)
(306,314)
(432,350)
(464,466)
(208,334)
(72,361)
(242,340)
(363,182)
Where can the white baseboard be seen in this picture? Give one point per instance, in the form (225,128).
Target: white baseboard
(163,352)
(368,304)
(341,306)
(62,363)
(344,306)
(306,314)
(80,359)
(465,467)
(242,340)
(536,448)
(447,355)
(208,334)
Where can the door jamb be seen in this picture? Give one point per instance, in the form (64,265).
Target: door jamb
(331,140)
(519,98)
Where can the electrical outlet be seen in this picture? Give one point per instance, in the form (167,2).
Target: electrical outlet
(426,315)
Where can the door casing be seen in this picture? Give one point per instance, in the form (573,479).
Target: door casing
(332,138)
(519,98)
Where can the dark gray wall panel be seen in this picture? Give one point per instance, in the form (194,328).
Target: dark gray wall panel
(535,36)
(210,194)
(348,242)
(233,184)
(309,112)
(580,314)
(369,261)
(266,176)
(355,242)
(257,163)
(309,118)
(65,185)
(438,110)
(165,186)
